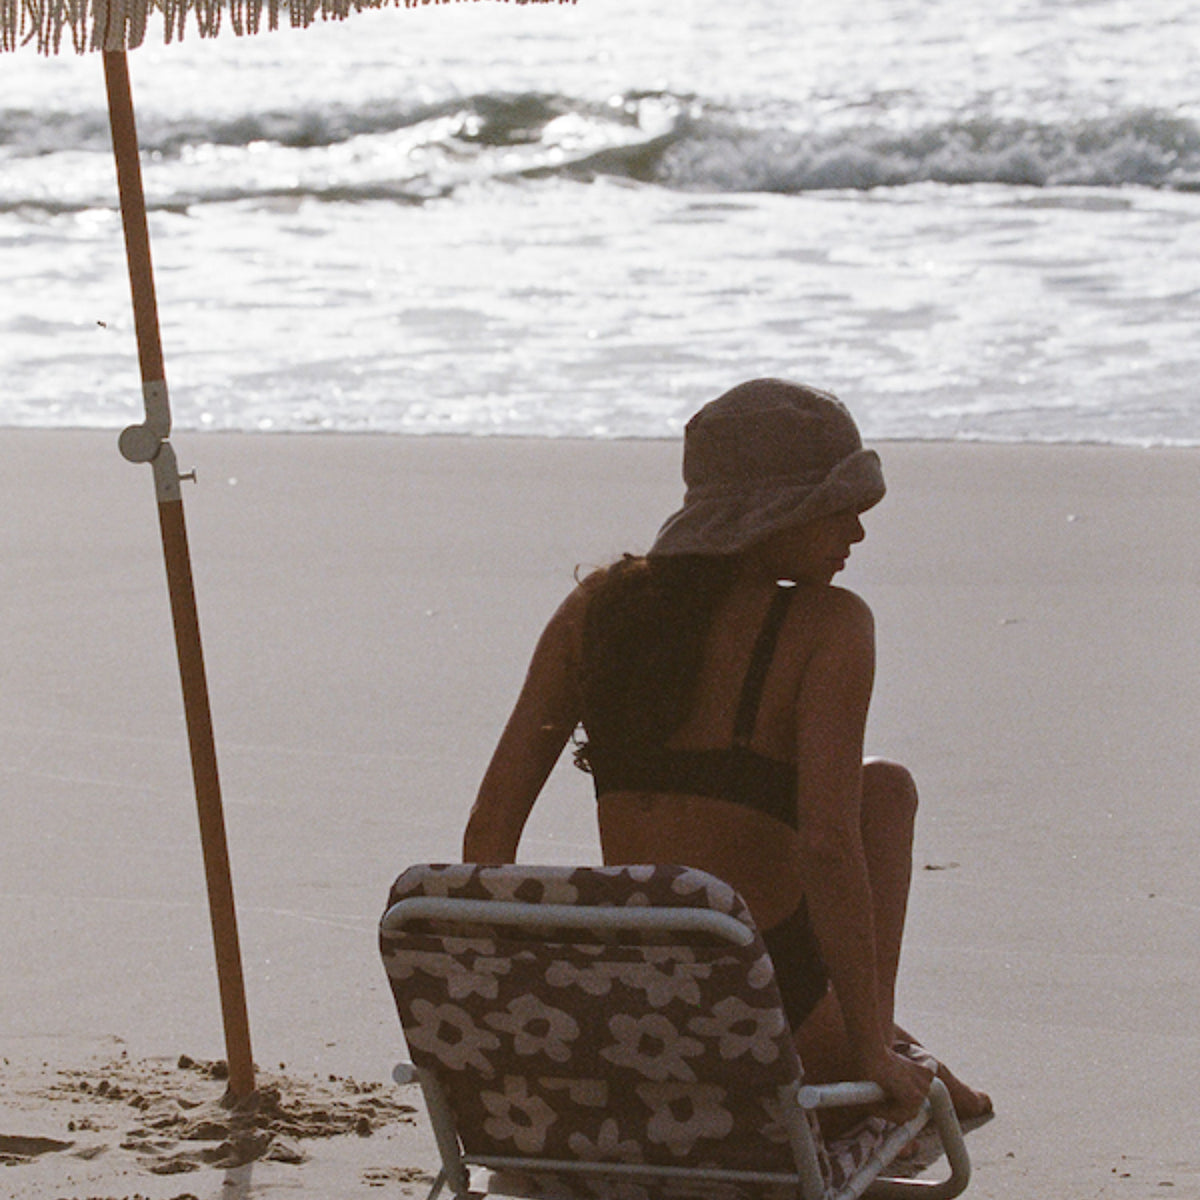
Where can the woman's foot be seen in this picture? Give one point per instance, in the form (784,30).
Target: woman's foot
(969,1103)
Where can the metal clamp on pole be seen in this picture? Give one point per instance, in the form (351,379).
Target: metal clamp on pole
(147,443)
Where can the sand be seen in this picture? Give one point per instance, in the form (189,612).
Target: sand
(368,606)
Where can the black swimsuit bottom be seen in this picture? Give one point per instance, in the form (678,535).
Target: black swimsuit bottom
(742,776)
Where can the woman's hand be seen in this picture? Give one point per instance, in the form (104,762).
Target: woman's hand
(906,1082)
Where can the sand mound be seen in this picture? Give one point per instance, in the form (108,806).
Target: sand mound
(176,1117)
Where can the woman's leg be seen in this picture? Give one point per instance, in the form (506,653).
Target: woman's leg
(889,809)
(889,814)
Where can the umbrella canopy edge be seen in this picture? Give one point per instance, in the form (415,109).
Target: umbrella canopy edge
(122,24)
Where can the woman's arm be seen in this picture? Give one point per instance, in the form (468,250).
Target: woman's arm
(545,716)
(831,714)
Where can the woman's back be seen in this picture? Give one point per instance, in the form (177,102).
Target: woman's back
(722,792)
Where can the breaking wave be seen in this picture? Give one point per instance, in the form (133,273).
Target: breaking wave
(409,154)
(1145,149)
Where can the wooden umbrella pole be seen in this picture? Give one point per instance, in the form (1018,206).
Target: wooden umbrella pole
(148,443)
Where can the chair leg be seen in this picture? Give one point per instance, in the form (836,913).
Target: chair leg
(454,1170)
(945,1121)
(804,1148)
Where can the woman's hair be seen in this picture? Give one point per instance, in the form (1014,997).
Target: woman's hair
(643,641)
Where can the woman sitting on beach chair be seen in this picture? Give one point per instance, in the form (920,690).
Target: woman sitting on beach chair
(723,684)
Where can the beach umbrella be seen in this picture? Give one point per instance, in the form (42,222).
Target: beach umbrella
(112,27)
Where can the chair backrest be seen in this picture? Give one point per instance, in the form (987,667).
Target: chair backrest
(593,1034)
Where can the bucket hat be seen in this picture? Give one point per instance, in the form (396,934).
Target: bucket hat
(765,456)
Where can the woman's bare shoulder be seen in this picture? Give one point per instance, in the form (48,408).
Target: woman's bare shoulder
(836,633)
(840,609)
(576,602)
(564,630)
(587,585)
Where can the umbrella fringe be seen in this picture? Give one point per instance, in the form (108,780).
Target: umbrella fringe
(122,24)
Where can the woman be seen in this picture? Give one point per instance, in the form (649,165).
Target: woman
(723,685)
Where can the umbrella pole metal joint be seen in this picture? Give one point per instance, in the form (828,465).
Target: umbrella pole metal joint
(147,443)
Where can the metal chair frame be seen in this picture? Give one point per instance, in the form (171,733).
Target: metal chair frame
(797,1098)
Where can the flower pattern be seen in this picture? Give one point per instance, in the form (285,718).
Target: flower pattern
(740,1028)
(594,978)
(465,973)
(705,889)
(449,1034)
(761,972)
(651,1046)
(501,884)
(517,1115)
(566,1044)
(587,1093)
(670,973)
(608,1146)
(681,1116)
(536,1028)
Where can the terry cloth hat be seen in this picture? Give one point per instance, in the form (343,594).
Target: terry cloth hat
(765,456)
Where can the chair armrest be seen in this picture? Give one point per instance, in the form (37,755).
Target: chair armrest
(839,1095)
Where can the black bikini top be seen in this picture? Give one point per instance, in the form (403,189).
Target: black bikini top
(734,773)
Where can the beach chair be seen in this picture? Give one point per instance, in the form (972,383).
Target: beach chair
(617,1032)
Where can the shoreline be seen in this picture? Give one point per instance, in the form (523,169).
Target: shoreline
(184,432)
(368,604)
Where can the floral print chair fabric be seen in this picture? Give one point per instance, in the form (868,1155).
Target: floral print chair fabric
(580,1044)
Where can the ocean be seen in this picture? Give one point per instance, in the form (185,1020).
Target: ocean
(970,220)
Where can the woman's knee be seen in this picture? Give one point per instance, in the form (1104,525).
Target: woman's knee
(891,784)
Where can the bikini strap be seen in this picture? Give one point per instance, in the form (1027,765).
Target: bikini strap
(760,663)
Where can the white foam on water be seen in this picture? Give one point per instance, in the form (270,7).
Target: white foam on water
(587,221)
